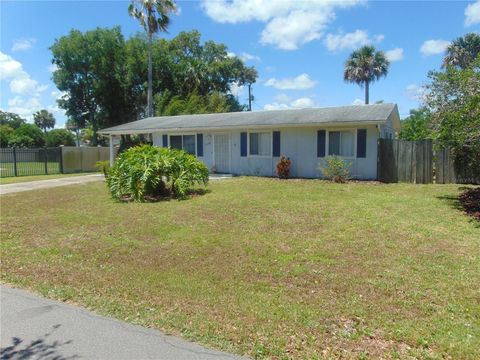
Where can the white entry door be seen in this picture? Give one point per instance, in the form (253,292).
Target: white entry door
(221,150)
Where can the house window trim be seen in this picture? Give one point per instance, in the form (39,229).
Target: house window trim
(182,135)
(270,132)
(327,142)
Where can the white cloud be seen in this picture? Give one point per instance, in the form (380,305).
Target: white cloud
(394,54)
(351,40)
(301,82)
(20,80)
(358,101)
(236,90)
(282,98)
(301,103)
(9,67)
(52,68)
(25,107)
(289,23)
(415,92)
(249,57)
(434,47)
(23,44)
(472,14)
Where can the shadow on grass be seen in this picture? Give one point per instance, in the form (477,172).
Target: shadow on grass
(460,203)
(40,348)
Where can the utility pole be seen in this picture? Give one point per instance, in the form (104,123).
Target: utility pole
(250,97)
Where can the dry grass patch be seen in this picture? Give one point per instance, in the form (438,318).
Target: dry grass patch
(267,268)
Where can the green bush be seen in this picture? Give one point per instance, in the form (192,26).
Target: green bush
(336,169)
(57,137)
(145,172)
(103,166)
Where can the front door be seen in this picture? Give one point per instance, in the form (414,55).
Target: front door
(221,150)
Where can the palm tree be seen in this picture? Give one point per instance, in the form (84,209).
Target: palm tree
(462,51)
(153,16)
(44,120)
(364,66)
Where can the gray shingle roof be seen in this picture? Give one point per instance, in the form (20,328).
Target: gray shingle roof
(274,118)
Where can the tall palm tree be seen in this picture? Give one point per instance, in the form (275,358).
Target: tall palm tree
(153,15)
(462,51)
(365,66)
(44,120)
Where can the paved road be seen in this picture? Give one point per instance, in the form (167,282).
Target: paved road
(50,183)
(36,328)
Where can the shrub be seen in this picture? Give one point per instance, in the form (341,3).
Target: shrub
(57,137)
(336,169)
(103,166)
(145,172)
(283,167)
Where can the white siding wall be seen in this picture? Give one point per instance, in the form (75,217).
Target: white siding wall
(299,144)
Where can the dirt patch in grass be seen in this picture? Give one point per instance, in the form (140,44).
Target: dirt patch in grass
(470,200)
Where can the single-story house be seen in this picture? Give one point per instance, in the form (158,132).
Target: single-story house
(250,143)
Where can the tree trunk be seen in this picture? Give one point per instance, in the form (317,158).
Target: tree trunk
(150,78)
(367,93)
(94,128)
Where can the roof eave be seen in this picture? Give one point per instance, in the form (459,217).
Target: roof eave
(238,127)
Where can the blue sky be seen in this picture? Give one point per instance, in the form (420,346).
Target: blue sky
(298,47)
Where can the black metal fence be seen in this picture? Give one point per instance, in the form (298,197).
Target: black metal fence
(21,162)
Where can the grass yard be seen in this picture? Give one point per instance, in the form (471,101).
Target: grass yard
(28,168)
(20,179)
(276,269)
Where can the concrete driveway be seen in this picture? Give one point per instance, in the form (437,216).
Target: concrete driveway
(50,183)
(36,328)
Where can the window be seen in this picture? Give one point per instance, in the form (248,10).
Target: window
(341,143)
(260,144)
(183,142)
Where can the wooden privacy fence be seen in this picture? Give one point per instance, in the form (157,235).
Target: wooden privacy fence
(83,159)
(417,162)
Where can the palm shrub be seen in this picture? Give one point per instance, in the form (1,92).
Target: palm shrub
(336,169)
(145,172)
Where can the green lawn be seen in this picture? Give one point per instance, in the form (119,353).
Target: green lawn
(28,168)
(276,269)
(20,179)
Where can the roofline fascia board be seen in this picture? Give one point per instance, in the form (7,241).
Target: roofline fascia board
(238,127)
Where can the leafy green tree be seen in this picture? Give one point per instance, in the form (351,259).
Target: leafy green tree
(11,119)
(5,134)
(31,131)
(89,69)
(153,15)
(57,137)
(453,98)
(21,141)
(463,51)
(44,120)
(365,66)
(416,125)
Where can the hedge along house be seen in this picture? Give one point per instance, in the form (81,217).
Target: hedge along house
(250,143)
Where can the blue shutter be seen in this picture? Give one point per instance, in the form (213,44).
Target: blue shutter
(321,134)
(165,140)
(276,143)
(243,144)
(361,143)
(199,144)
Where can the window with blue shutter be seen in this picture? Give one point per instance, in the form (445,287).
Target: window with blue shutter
(165,140)
(321,135)
(243,144)
(361,143)
(199,145)
(276,143)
